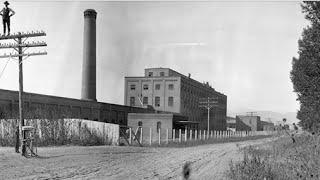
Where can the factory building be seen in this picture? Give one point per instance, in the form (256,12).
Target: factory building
(44,106)
(235,124)
(169,91)
(254,122)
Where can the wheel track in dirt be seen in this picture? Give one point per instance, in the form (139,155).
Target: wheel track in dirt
(109,162)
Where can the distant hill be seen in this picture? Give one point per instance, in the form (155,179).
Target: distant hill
(274,117)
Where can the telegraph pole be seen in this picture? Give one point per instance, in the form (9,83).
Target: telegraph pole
(20,47)
(208,103)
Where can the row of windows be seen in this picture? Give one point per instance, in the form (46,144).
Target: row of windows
(151,74)
(156,101)
(146,87)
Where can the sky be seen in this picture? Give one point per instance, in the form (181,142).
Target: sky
(243,49)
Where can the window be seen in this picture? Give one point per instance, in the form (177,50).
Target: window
(140,123)
(170,101)
(161,73)
(150,74)
(132,101)
(145,100)
(157,101)
(158,126)
(157,87)
(171,86)
(145,87)
(132,87)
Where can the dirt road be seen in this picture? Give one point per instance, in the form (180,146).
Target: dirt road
(107,162)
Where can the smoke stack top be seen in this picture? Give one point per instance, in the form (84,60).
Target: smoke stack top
(90,13)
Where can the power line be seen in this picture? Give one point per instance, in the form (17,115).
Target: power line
(5,66)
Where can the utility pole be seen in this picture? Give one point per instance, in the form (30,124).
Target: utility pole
(208,103)
(20,46)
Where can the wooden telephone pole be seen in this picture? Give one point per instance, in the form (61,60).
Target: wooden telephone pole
(20,47)
(208,103)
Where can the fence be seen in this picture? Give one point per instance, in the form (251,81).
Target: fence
(146,136)
(63,131)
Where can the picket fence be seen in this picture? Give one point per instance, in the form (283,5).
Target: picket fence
(146,136)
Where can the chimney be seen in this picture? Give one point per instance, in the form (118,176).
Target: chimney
(88,91)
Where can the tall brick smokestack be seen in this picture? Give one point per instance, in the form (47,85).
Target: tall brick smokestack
(89,56)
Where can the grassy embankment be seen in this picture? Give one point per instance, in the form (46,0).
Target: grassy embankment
(281,159)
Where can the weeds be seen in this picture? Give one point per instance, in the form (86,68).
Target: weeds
(281,159)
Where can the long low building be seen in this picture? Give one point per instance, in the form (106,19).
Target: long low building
(61,107)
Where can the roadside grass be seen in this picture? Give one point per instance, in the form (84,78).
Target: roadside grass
(280,159)
(190,143)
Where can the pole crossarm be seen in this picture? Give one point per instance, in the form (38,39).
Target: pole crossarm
(24,54)
(23,35)
(23,45)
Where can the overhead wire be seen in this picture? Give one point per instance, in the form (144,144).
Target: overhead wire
(4,67)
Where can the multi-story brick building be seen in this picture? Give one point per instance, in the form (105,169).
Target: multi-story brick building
(169,91)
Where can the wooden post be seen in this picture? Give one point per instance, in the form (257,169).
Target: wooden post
(200,134)
(211,134)
(167,136)
(195,134)
(204,134)
(141,136)
(190,134)
(21,113)
(180,135)
(150,136)
(185,134)
(159,136)
(130,136)
(174,135)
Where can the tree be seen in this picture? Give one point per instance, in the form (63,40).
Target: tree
(305,74)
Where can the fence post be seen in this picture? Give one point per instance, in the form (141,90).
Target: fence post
(174,135)
(211,134)
(195,134)
(200,134)
(159,136)
(185,134)
(204,134)
(150,137)
(167,136)
(141,136)
(190,134)
(179,135)
(130,136)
